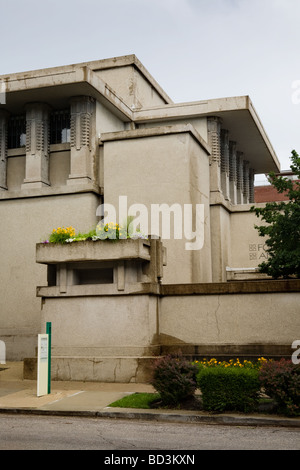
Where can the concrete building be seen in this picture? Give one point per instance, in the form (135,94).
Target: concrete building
(75,137)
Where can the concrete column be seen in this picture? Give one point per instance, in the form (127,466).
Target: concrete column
(240,177)
(225,163)
(82,113)
(121,275)
(246,191)
(3,148)
(37,146)
(214,140)
(251,185)
(232,172)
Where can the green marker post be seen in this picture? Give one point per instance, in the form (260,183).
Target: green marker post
(48,332)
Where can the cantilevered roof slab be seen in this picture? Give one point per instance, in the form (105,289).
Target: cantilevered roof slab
(56,87)
(238,117)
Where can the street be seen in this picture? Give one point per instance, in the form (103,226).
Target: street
(28,432)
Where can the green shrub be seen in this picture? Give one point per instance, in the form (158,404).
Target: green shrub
(229,389)
(174,378)
(281,381)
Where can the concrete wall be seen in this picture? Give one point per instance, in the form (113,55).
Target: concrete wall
(23,224)
(132,86)
(254,314)
(199,124)
(111,326)
(164,168)
(220,241)
(247,248)
(235,242)
(116,337)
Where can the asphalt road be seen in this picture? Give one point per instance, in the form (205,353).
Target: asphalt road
(27,432)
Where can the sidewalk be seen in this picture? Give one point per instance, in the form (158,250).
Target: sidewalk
(93,399)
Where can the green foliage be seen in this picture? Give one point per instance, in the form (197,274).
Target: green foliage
(229,389)
(283,226)
(281,381)
(136,400)
(174,378)
(85,236)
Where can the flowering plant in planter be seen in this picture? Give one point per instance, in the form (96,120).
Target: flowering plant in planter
(108,231)
(113,231)
(61,234)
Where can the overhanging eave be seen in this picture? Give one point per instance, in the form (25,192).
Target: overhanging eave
(238,117)
(57,87)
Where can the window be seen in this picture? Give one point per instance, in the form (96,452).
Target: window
(94,276)
(60,127)
(16,132)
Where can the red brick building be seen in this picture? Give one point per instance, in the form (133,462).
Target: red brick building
(268,193)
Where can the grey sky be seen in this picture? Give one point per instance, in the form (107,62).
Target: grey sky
(195,49)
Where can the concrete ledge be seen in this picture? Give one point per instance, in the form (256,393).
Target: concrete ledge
(245,274)
(154,132)
(105,290)
(229,351)
(233,287)
(105,250)
(49,191)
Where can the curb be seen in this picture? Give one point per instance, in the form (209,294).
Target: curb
(163,417)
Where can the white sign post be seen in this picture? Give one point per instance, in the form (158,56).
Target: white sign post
(43,364)
(2,353)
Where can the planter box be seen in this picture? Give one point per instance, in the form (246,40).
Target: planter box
(101,267)
(83,251)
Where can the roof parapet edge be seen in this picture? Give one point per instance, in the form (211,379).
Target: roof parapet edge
(155,131)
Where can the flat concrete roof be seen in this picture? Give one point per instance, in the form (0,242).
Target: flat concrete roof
(57,85)
(238,116)
(73,80)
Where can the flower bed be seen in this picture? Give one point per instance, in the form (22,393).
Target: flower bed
(229,385)
(235,363)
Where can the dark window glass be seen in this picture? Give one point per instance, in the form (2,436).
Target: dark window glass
(16,132)
(60,127)
(94,276)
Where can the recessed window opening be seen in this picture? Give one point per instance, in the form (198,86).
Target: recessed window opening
(60,124)
(94,276)
(16,132)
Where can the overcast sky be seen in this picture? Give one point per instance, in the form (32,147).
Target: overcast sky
(195,49)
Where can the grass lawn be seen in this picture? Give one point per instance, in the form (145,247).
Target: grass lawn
(136,400)
(145,400)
